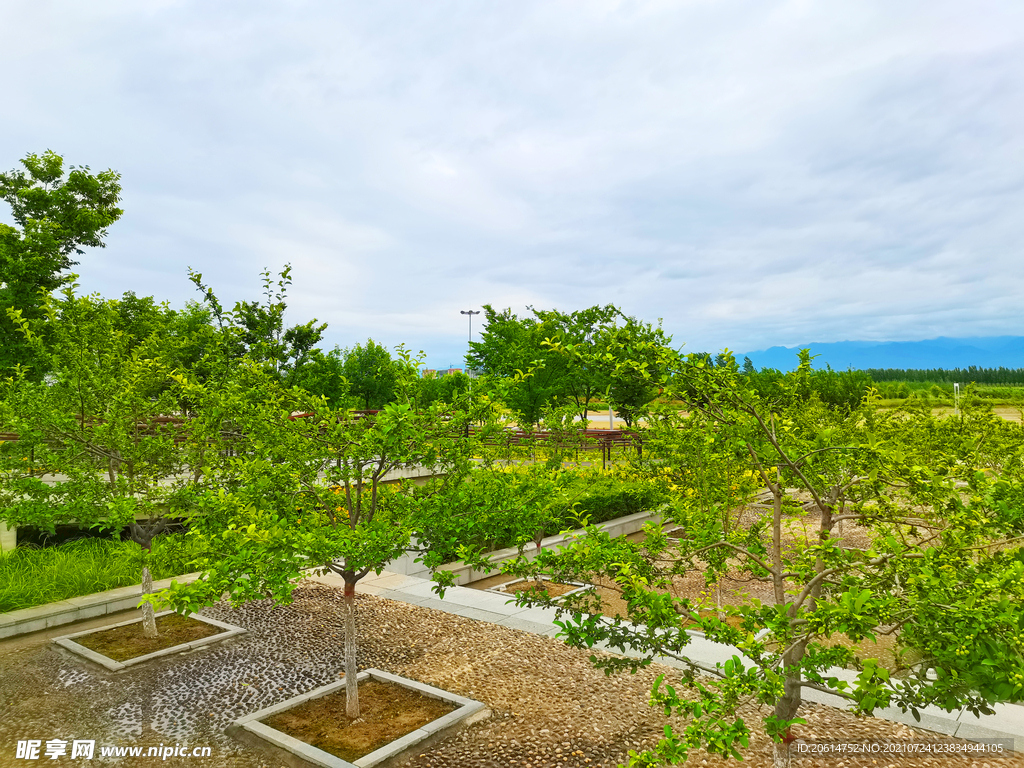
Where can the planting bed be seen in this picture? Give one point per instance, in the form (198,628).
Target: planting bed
(395,714)
(124,644)
(555,589)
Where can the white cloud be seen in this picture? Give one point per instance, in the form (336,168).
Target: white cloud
(755,173)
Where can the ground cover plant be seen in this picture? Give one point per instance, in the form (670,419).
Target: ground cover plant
(942,570)
(31,575)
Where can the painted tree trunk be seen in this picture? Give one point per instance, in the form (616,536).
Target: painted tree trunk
(780,755)
(148,616)
(351,670)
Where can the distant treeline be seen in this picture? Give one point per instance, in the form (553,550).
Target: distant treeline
(949,376)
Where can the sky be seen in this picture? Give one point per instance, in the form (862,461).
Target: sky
(754,173)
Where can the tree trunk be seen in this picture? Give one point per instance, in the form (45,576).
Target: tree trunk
(351,670)
(148,616)
(780,755)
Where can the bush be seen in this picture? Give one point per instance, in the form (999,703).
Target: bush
(611,499)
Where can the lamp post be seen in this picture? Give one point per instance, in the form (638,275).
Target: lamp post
(469,312)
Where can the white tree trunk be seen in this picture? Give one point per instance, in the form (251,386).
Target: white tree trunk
(780,755)
(351,670)
(148,616)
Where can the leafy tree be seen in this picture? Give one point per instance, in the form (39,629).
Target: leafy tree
(56,216)
(583,328)
(258,330)
(288,493)
(633,360)
(432,387)
(371,374)
(942,535)
(95,445)
(322,375)
(516,365)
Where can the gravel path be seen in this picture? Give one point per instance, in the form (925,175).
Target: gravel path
(550,707)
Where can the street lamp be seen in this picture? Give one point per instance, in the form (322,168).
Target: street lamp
(469,312)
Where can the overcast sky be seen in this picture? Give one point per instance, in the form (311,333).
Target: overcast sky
(756,173)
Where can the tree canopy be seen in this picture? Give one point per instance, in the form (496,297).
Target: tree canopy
(56,216)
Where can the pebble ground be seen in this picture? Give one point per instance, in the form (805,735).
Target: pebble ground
(549,706)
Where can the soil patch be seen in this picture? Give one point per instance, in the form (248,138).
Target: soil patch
(128,642)
(386,712)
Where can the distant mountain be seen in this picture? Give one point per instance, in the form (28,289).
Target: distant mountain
(983,352)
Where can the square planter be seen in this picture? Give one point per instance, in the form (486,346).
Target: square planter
(300,754)
(502,589)
(68,642)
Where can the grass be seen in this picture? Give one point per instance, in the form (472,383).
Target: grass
(37,575)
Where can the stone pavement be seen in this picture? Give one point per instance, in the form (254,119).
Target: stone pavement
(1006,723)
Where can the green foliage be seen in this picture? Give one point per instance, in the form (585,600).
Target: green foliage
(98,421)
(943,535)
(949,375)
(371,374)
(56,215)
(36,575)
(446,389)
(515,364)
(256,330)
(512,506)
(837,389)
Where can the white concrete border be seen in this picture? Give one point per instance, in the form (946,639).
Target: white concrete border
(620,526)
(502,589)
(67,642)
(256,731)
(39,617)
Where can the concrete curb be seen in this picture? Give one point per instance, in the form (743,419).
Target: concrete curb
(620,526)
(300,754)
(74,609)
(68,643)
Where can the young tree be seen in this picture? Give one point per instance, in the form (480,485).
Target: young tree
(941,534)
(517,365)
(95,444)
(56,216)
(371,374)
(306,484)
(257,330)
(582,329)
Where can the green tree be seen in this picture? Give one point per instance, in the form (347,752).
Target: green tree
(56,216)
(371,374)
(633,360)
(257,329)
(95,444)
(583,328)
(941,535)
(293,492)
(432,387)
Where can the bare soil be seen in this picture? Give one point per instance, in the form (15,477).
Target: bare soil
(128,642)
(386,712)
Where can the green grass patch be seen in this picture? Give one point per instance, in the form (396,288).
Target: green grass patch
(33,575)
